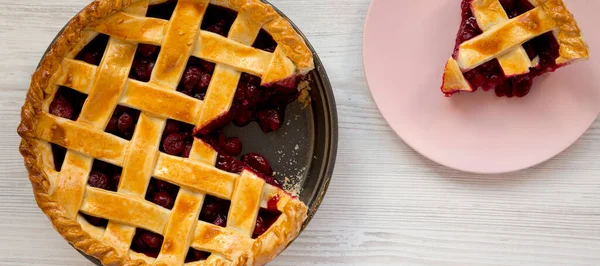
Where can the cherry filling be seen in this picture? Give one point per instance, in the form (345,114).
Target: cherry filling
(123,121)
(162,11)
(177,138)
(143,62)
(215,210)
(67,103)
(253,102)
(92,53)
(264,41)
(146,242)
(196,255)
(162,193)
(490,75)
(218,19)
(196,78)
(265,219)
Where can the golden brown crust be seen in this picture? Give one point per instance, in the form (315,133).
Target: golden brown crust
(265,247)
(568,35)
(280,28)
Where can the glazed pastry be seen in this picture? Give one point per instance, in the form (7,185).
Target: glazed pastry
(120,131)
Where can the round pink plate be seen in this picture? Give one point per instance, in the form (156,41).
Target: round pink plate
(407,43)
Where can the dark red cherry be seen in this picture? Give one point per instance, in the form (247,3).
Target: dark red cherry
(508,4)
(209,211)
(191,78)
(218,28)
(243,118)
(60,106)
(125,123)
(142,68)
(138,242)
(92,57)
(95,221)
(258,163)
(173,144)
(115,180)
(208,67)
(164,186)
(152,240)
(269,120)
(204,81)
(164,199)
(99,180)
(221,220)
(260,227)
(186,150)
(196,255)
(233,146)
(147,50)
(171,127)
(112,125)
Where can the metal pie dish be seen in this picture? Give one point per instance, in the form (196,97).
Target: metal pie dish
(303,151)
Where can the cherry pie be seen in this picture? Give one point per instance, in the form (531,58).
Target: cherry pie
(503,45)
(121,131)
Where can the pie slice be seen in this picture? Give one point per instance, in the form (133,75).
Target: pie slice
(502,45)
(121,131)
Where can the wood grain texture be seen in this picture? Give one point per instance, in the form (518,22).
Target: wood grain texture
(386,204)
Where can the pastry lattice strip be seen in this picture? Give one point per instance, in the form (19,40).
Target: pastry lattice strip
(157,100)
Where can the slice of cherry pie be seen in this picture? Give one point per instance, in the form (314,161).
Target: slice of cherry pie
(503,45)
(121,131)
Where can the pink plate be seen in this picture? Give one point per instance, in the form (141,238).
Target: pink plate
(407,43)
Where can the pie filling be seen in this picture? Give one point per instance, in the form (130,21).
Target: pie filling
(252,102)
(489,76)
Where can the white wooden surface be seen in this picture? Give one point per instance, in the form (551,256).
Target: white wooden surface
(386,204)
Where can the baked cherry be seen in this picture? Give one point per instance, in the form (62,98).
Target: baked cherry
(125,123)
(95,221)
(173,144)
(151,240)
(191,78)
(269,120)
(164,185)
(221,220)
(508,5)
(229,164)
(113,125)
(208,67)
(233,146)
(147,50)
(264,41)
(171,127)
(142,68)
(215,211)
(164,199)
(115,180)
(98,180)
(260,227)
(264,221)
(92,57)
(204,81)
(258,163)
(61,107)
(196,255)
(186,150)
(218,28)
